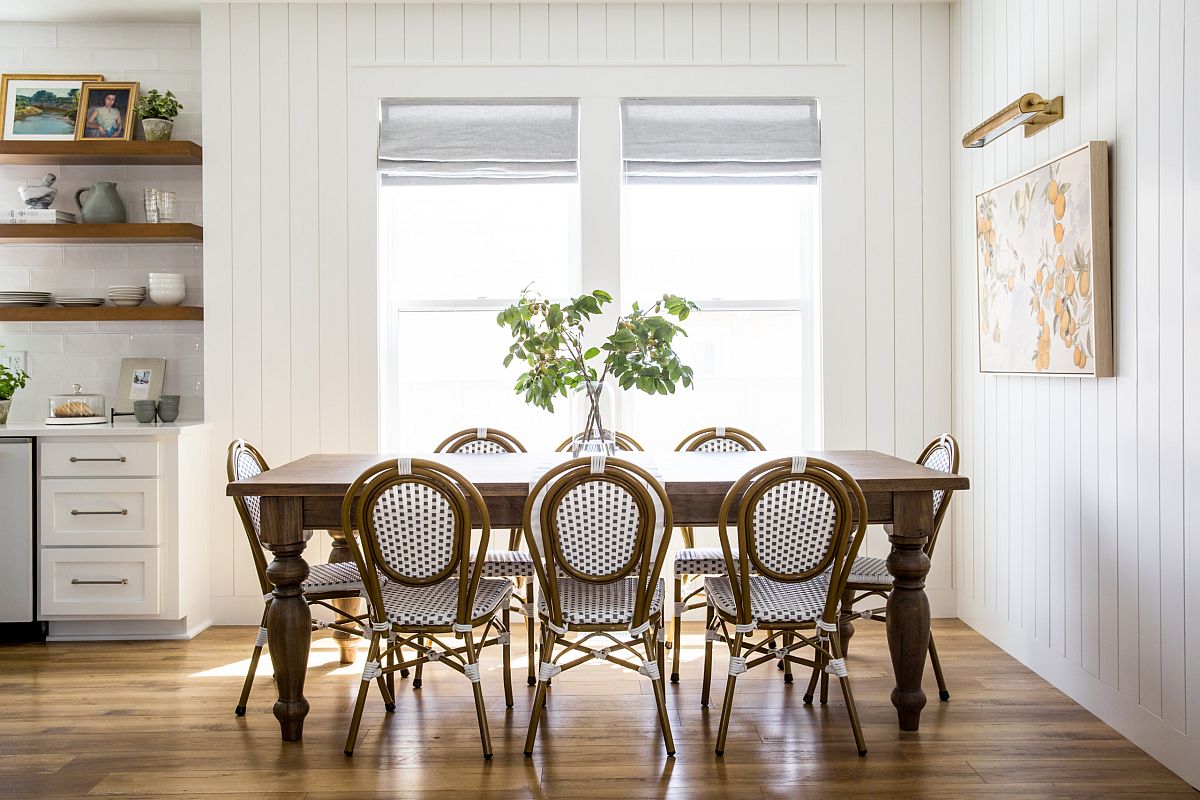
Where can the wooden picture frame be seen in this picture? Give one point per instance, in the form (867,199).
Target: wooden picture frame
(141,379)
(101,121)
(1043,269)
(54,119)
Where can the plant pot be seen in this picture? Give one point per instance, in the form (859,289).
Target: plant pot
(157,130)
(5,405)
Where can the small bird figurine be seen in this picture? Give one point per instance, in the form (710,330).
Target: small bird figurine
(40,196)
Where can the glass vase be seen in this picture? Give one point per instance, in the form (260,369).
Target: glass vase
(593,404)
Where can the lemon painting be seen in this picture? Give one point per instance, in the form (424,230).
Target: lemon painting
(1042,246)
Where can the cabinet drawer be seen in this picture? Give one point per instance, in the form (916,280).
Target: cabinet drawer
(86,581)
(99,459)
(99,512)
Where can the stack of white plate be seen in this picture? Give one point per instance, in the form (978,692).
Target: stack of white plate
(81,302)
(26,299)
(127,295)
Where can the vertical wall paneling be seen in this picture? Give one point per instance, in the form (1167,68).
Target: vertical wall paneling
(535,32)
(619,33)
(1093,534)
(735,32)
(360,27)
(677,32)
(418,33)
(220,336)
(648,33)
(389,33)
(477,33)
(506,33)
(822,33)
(593,29)
(706,32)
(764,33)
(447,33)
(793,33)
(564,33)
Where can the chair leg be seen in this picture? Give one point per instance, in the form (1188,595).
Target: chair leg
(660,694)
(689,536)
(363,686)
(677,630)
(848,695)
(539,698)
(943,692)
(708,648)
(390,675)
(416,684)
(400,658)
(485,736)
(530,626)
(254,657)
(385,686)
(812,682)
(507,653)
(727,706)
(787,664)
(514,538)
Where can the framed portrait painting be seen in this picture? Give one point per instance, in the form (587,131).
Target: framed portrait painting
(1042,248)
(106,111)
(41,108)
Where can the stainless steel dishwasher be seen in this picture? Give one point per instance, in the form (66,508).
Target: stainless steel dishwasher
(17,560)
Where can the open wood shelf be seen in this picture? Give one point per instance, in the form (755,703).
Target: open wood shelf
(111,233)
(102,314)
(181,152)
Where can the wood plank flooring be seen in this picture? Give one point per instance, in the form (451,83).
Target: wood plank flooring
(155,719)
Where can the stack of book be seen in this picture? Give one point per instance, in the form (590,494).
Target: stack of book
(34,216)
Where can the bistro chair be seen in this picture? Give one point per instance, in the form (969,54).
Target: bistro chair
(325,582)
(413,519)
(696,562)
(510,563)
(869,577)
(796,540)
(623,442)
(600,529)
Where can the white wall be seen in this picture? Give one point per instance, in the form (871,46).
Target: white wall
(158,57)
(1076,550)
(291,318)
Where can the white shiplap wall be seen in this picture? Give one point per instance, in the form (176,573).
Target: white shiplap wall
(1077,550)
(291,321)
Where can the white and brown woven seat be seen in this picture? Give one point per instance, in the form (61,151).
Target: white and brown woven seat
(599,528)
(335,586)
(796,539)
(413,519)
(870,578)
(696,562)
(510,563)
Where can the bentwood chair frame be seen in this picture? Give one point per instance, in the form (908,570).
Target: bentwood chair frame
(623,441)
(409,560)
(869,576)
(509,563)
(785,575)
(325,584)
(691,563)
(581,562)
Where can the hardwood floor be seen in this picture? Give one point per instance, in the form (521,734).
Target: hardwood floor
(155,719)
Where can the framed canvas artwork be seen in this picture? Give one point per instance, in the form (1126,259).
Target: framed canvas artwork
(41,108)
(1043,266)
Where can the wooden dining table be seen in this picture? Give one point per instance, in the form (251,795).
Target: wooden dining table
(306,494)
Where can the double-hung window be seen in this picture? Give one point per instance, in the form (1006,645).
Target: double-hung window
(718,202)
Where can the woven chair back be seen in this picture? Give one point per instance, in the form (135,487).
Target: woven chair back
(480,441)
(720,440)
(242,462)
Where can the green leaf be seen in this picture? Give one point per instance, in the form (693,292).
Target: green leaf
(592,352)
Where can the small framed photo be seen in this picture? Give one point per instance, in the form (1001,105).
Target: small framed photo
(141,379)
(105,111)
(41,108)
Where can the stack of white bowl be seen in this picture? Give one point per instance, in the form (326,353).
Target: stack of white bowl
(166,288)
(127,295)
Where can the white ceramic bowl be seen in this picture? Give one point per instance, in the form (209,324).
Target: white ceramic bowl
(166,297)
(116,301)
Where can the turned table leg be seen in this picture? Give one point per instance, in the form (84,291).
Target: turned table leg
(348,605)
(907,605)
(289,624)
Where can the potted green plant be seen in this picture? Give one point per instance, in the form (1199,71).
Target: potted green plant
(638,354)
(157,113)
(10,381)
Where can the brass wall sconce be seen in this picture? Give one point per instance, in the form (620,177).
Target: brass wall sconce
(1030,110)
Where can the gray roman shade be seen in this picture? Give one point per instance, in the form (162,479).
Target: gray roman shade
(721,140)
(455,141)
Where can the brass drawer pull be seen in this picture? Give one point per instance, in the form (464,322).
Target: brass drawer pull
(76,459)
(75,512)
(78,582)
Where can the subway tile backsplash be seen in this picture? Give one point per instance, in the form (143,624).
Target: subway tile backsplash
(60,354)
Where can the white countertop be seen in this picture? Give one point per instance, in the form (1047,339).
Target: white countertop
(121,428)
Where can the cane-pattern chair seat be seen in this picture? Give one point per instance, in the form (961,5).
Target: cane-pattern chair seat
(773,601)
(507,564)
(600,603)
(870,570)
(324,578)
(700,561)
(436,606)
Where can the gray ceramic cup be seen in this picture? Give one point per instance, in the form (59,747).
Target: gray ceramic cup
(144,410)
(168,407)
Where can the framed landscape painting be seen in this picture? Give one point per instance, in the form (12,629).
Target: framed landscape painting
(1043,265)
(41,108)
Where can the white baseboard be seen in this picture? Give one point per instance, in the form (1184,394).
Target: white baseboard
(123,630)
(1176,751)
